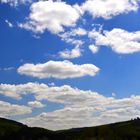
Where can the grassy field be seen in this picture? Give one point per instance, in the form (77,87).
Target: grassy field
(129,130)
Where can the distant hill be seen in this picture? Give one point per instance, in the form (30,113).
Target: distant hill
(128,130)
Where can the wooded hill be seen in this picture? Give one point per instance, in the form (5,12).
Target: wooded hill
(128,130)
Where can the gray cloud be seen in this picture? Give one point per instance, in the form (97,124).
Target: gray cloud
(9,110)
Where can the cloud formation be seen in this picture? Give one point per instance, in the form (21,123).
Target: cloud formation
(55,15)
(70,54)
(35,104)
(9,110)
(119,40)
(80,117)
(109,8)
(51,15)
(58,69)
(93,48)
(81,108)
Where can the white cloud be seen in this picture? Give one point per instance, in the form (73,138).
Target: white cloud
(51,15)
(70,54)
(71,39)
(64,118)
(15,2)
(9,23)
(74,32)
(109,8)
(9,110)
(35,104)
(10,91)
(58,69)
(55,15)
(41,91)
(81,108)
(118,40)
(93,48)
(80,117)
(79,32)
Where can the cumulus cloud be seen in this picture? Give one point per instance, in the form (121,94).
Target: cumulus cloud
(64,118)
(119,40)
(109,8)
(35,104)
(10,90)
(71,40)
(70,54)
(42,91)
(51,15)
(74,32)
(55,15)
(80,117)
(15,2)
(93,48)
(81,108)
(79,32)
(9,110)
(58,69)
(72,37)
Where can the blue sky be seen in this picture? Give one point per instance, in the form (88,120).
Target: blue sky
(47,67)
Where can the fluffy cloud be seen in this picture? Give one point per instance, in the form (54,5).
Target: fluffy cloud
(74,32)
(79,32)
(43,91)
(55,15)
(70,54)
(15,2)
(58,69)
(71,40)
(80,117)
(51,15)
(9,110)
(10,90)
(118,40)
(35,104)
(81,108)
(93,48)
(72,37)
(64,118)
(109,8)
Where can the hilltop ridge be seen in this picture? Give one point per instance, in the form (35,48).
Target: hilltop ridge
(128,130)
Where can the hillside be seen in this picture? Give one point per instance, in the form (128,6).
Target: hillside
(128,130)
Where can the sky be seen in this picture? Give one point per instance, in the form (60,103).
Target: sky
(69,63)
